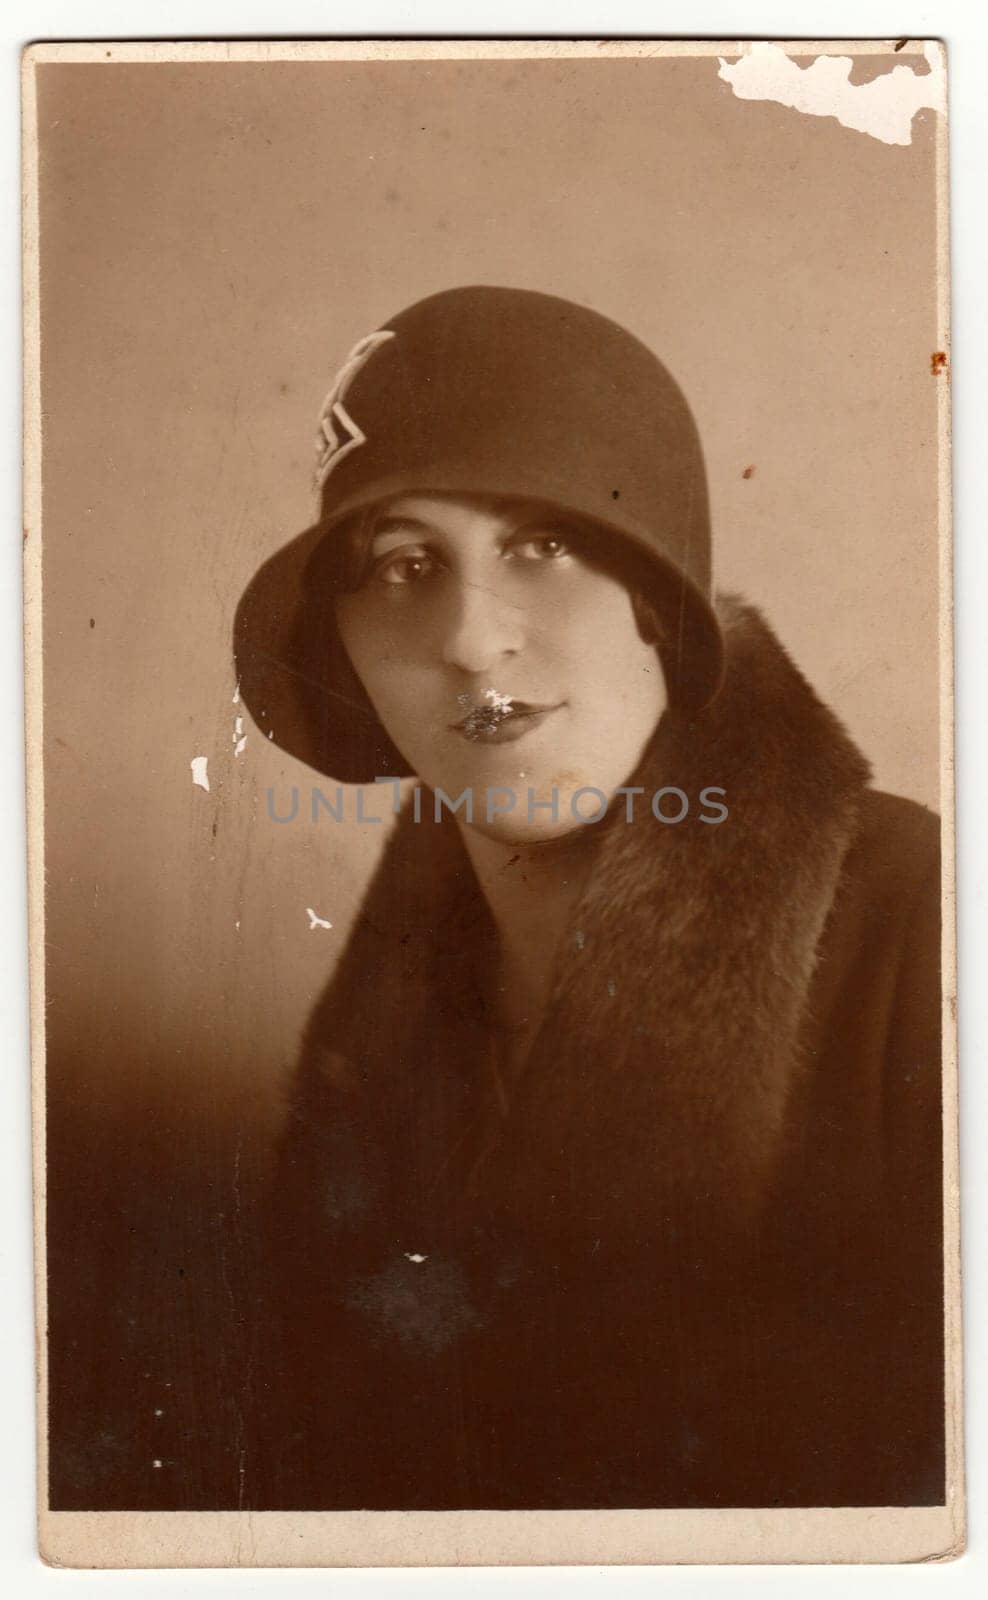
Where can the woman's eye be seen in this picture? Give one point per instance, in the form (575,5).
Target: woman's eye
(541,547)
(404,568)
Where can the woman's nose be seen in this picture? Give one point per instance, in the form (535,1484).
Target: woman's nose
(483,628)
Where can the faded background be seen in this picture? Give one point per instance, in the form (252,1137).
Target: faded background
(214,239)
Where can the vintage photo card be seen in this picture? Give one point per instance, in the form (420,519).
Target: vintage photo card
(490,724)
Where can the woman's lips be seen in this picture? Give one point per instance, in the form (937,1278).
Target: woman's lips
(500,723)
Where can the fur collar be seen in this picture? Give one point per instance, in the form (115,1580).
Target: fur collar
(671,1043)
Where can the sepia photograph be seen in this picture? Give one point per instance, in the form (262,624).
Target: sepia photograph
(489,652)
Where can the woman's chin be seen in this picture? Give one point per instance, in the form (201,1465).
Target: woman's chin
(518,830)
(522,806)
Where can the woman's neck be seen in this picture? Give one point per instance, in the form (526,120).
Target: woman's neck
(532,891)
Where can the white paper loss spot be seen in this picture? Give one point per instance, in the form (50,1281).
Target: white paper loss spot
(884,107)
(199,773)
(316,921)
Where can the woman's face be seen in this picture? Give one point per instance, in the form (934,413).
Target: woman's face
(500,660)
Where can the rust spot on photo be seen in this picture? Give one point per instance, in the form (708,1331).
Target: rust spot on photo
(938,362)
(749,472)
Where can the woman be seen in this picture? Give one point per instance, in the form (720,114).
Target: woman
(612,1170)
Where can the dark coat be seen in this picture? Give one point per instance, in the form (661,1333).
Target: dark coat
(693,1258)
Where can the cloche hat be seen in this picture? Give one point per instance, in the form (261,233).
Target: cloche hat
(484,390)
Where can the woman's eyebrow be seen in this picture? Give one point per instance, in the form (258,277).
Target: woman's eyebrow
(532,512)
(398,524)
(389,527)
